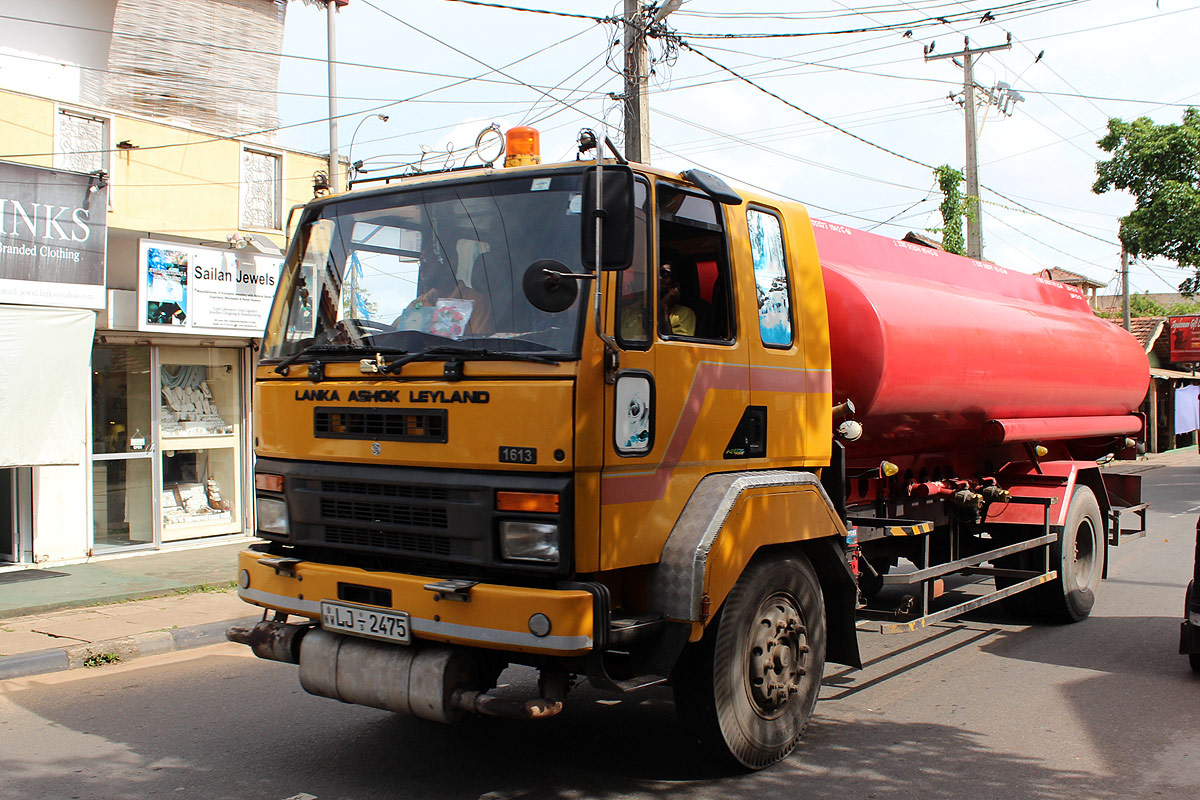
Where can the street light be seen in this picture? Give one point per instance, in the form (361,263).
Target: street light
(356,166)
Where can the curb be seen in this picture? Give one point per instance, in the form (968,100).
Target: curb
(126,648)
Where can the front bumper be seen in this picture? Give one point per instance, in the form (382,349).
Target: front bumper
(496,617)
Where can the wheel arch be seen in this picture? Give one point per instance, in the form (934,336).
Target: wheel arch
(732,518)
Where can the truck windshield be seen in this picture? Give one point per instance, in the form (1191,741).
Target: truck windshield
(417,269)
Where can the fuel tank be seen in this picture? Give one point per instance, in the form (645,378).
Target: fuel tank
(941,353)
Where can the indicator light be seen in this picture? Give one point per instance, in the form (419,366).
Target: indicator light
(541,502)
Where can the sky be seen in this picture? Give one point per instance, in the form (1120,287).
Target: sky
(838,108)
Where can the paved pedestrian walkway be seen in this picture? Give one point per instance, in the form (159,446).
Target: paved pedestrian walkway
(94,613)
(88,614)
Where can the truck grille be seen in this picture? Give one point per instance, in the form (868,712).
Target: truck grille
(429,521)
(384,490)
(380,424)
(390,541)
(382,513)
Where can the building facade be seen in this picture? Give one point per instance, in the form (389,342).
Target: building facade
(140,242)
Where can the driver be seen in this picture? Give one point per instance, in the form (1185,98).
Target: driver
(439,282)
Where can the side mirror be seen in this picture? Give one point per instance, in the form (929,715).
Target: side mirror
(616,211)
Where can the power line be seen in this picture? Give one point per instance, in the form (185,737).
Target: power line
(926,22)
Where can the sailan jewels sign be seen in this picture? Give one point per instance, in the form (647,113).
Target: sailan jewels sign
(53,235)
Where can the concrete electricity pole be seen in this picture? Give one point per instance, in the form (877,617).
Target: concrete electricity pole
(331,10)
(637,73)
(637,102)
(974,220)
(1125,288)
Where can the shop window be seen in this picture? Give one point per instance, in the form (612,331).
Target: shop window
(81,142)
(262,190)
(200,416)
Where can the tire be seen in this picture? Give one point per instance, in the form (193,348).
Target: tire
(744,706)
(1194,660)
(1079,554)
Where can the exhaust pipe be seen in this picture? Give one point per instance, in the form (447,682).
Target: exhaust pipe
(273,641)
(432,682)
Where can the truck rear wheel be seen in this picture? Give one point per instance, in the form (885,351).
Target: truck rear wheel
(1079,554)
(748,688)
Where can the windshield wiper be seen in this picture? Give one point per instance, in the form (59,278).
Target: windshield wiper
(470,352)
(327,347)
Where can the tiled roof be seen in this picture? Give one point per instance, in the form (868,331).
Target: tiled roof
(1070,278)
(1146,330)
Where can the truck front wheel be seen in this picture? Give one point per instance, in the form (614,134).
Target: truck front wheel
(748,688)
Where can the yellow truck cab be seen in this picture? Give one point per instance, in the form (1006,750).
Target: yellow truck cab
(476,445)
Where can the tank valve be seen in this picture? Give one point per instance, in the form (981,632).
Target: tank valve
(994,494)
(966,499)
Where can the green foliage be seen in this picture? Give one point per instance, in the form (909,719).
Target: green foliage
(954,208)
(1143,305)
(1160,166)
(100,659)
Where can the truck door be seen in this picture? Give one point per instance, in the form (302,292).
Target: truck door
(780,380)
(683,386)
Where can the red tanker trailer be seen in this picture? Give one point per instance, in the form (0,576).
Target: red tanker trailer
(991,394)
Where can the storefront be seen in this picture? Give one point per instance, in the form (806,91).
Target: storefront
(52,277)
(170,446)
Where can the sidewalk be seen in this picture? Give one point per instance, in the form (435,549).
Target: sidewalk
(86,614)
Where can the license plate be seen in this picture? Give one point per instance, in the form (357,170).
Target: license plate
(373,623)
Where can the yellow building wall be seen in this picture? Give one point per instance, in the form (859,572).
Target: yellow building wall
(172,181)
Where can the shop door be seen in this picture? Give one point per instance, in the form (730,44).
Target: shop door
(123,447)
(8,515)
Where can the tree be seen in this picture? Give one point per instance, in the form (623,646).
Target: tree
(1143,305)
(953,207)
(1160,166)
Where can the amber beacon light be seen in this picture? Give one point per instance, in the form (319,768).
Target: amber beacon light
(523,147)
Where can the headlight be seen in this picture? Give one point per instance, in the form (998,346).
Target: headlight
(529,541)
(272,516)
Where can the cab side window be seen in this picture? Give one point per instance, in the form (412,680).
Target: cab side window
(633,295)
(770,278)
(694,297)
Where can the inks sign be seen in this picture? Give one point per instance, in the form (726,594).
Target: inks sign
(205,290)
(53,234)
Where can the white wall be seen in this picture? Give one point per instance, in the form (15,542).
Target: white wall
(61,56)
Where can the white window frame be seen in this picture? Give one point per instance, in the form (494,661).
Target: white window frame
(243,183)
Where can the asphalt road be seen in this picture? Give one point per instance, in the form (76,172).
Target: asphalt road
(986,708)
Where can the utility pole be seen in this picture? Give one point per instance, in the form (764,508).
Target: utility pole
(1125,288)
(974,220)
(637,74)
(637,101)
(331,11)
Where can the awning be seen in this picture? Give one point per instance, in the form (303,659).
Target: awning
(1170,374)
(45,355)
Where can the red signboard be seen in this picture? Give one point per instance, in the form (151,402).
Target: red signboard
(1185,339)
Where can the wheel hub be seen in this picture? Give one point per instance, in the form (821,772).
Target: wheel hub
(775,661)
